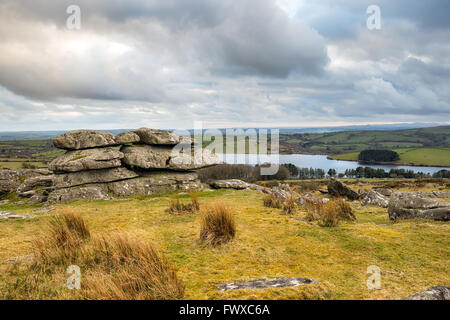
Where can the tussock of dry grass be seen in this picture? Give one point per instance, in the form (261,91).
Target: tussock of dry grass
(270,201)
(125,268)
(290,205)
(218,225)
(329,214)
(117,267)
(177,207)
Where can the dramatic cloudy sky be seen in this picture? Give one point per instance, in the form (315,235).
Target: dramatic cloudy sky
(225,62)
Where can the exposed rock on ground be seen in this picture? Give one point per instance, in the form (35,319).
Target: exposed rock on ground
(266,283)
(309,197)
(384,191)
(282,192)
(73,179)
(12,215)
(84,139)
(230,184)
(434,293)
(403,205)
(375,199)
(338,189)
(89,159)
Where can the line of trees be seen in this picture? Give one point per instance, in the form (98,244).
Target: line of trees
(290,171)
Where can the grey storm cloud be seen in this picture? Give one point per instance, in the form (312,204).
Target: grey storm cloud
(226,62)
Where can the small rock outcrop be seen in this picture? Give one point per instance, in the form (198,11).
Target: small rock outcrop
(338,189)
(308,197)
(94,168)
(434,293)
(404,205)
(374,198)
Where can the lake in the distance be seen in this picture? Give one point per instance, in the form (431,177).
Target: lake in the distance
(317,161)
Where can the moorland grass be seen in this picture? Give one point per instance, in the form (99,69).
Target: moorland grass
(412,254)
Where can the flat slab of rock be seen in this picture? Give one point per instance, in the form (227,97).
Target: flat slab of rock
(89,159)
(127,138)
(157,137)
(338,189)
(12,215)
(375,198)
(265,283)
(162,157)
(155,183)
(84,139)
(434,293)
(70,194)
(230,184)
(73,179)
(404,205)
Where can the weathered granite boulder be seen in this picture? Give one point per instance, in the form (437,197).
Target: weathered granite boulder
(282,192)
(162,157)
(89,159)
(155,183)
(27,188)
(307,197)
(157,137)
(265,283)
(73,179)
(70,194)
(384,191)
(338,189)
(127,138)
(230,184)
(84,139)
(434,293)
(403,205)
(374,198)
(39,196)
(9,181)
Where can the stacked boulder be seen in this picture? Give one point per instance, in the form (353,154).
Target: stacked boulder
(100,165)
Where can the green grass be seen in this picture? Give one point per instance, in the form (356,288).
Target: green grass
(413,255)
(414,156)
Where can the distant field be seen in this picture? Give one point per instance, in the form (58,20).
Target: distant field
(416,156)
(15,164)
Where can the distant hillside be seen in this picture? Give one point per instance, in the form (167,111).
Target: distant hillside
(351,141)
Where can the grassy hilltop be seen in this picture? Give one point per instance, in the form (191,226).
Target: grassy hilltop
(413,255)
